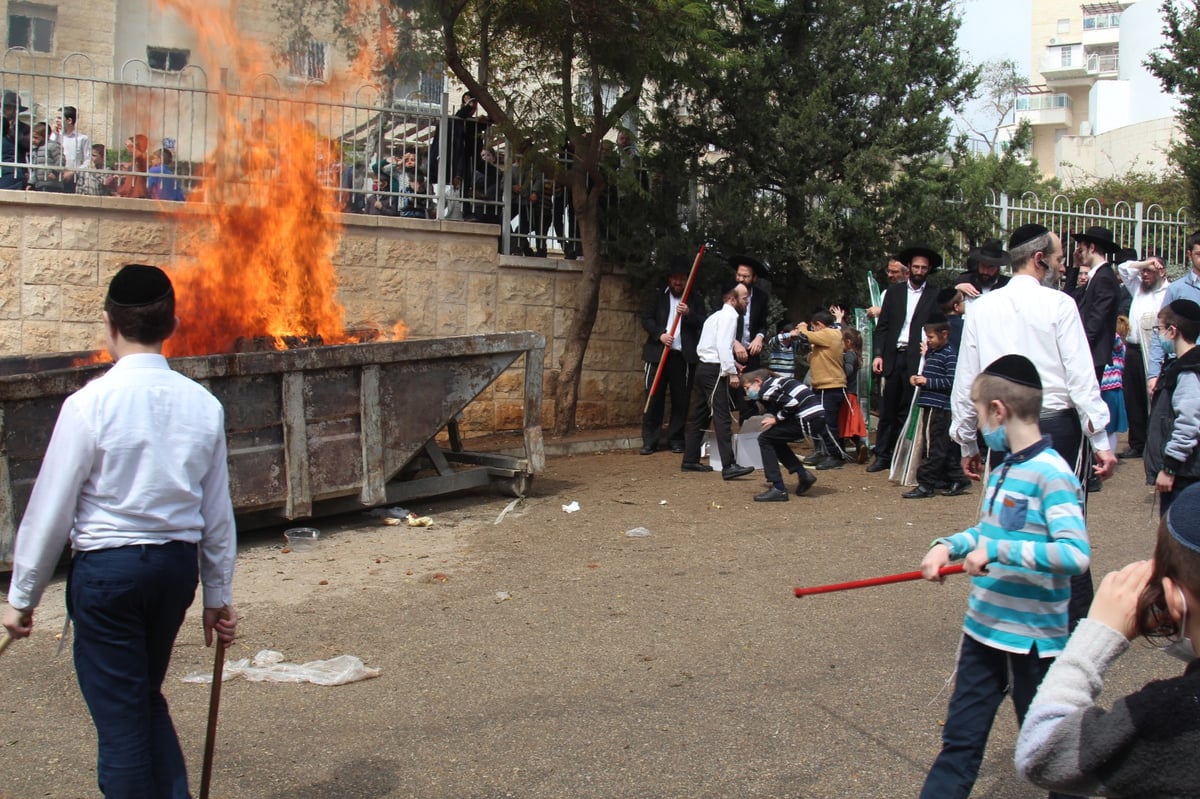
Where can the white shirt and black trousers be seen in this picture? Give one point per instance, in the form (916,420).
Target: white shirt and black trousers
(897,340)
(710,394)
(135,477)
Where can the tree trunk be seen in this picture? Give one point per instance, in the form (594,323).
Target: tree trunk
(587,302)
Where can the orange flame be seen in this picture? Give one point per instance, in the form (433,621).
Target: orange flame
(261,266)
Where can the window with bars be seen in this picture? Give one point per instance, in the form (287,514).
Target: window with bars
(307,60)
(32,27)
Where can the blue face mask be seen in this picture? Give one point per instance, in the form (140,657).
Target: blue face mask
(1168,347)
(752,393)
(995,438)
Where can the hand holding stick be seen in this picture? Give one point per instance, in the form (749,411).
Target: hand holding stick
(687,291)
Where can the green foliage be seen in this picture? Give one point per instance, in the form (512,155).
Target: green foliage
(1168,190)
(1177,66)
(817,125)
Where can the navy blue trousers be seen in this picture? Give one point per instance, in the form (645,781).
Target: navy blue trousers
(128,604)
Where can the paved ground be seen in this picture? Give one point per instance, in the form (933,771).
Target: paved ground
(674,665)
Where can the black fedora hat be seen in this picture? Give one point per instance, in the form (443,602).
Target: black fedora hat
(14,99)
(1125,254)
(1102,237)
(759,268)
(906,255)
(991,252)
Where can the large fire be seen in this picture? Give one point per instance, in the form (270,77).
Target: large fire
(259,265)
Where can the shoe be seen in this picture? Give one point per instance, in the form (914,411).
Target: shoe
(1094,485)
(806,482)
(647,450)
(880,464)
(920,492)
(957,488)
(813,459)
(772,494)
(677,449)
(831,462)
(863,454)
(733,471)
(1130,453)
(695,467)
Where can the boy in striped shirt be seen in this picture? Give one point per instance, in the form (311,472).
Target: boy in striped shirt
(793,411)
(942,465)
(1021,555)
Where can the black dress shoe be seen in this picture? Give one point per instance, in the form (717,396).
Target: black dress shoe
(772,494)
(677,449)
(695,467)
(806,482)
(880,464)
(832,462)
(733,471)
(1094,485)
(647,451)
(920,492)
(957,488)
(1130,453)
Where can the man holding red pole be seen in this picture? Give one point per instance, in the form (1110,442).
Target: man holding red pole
(659,316)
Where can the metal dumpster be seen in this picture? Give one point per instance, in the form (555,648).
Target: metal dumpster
(313,430)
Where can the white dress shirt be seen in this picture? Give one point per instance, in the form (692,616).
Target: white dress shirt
(716,339)
(911,299)
(1146,303)
(1043,324)
(673,306)
(137,457)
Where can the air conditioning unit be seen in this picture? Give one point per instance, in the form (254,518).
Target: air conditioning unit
(1054,41)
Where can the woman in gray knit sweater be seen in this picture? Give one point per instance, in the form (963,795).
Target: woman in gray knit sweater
(1147,744)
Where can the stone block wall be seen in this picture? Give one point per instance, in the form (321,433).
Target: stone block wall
(58,252)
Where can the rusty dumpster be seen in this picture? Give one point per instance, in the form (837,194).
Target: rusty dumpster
(313,430)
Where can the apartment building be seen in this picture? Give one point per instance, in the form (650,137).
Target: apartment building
(1095,108)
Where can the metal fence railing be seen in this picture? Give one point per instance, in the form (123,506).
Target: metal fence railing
(158,132)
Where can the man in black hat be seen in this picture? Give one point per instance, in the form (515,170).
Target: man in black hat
(679,372)
(752,324)
(897,345)
(1099,296)
(135,478)
(983,270)
(14,147)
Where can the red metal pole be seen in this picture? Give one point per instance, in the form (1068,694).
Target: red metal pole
(891,578)
(662,362)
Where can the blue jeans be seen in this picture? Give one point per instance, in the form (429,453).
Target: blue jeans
(128,604)
(985,675)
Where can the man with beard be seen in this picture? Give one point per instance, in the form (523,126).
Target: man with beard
(897,345)
(1147,284)
(1098,297)
(983,272)
(1028,317)
(678,344)
(896,272)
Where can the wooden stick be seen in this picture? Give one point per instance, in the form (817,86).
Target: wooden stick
(8,639)
(214,704)
(662,362)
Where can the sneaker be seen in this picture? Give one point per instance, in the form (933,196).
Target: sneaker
(806,482)
(733,471)
(772,494)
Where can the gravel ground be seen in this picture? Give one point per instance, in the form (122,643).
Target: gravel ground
(674,665)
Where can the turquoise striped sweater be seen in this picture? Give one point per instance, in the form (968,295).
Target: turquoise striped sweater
(1036,538)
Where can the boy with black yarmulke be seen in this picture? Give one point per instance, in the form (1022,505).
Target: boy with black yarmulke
(1029,541)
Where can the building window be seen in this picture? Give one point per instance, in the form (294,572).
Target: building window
(167,59)
(1095,22)
(31,26)
(307,60)
(1064,53)
(1064,25)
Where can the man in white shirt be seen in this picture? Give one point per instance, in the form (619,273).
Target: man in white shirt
(135,477)
(76,148)
(1147,284)
(716,374)
(1028,318)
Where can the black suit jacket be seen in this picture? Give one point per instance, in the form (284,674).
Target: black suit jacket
(1098,309)
(655,313)
(760,298)
(891,319)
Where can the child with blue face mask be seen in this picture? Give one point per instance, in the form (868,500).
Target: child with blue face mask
(1172,458)
(1029,541)
(1146,745)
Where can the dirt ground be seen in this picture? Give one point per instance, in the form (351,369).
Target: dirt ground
(674,665)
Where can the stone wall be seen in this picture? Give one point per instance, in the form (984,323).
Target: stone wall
(58,252)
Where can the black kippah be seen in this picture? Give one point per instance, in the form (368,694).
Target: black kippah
(137,285)
(1026,233)
(945,295)
(936,318)
(1016,369)
(1186,309)
(1181,518)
